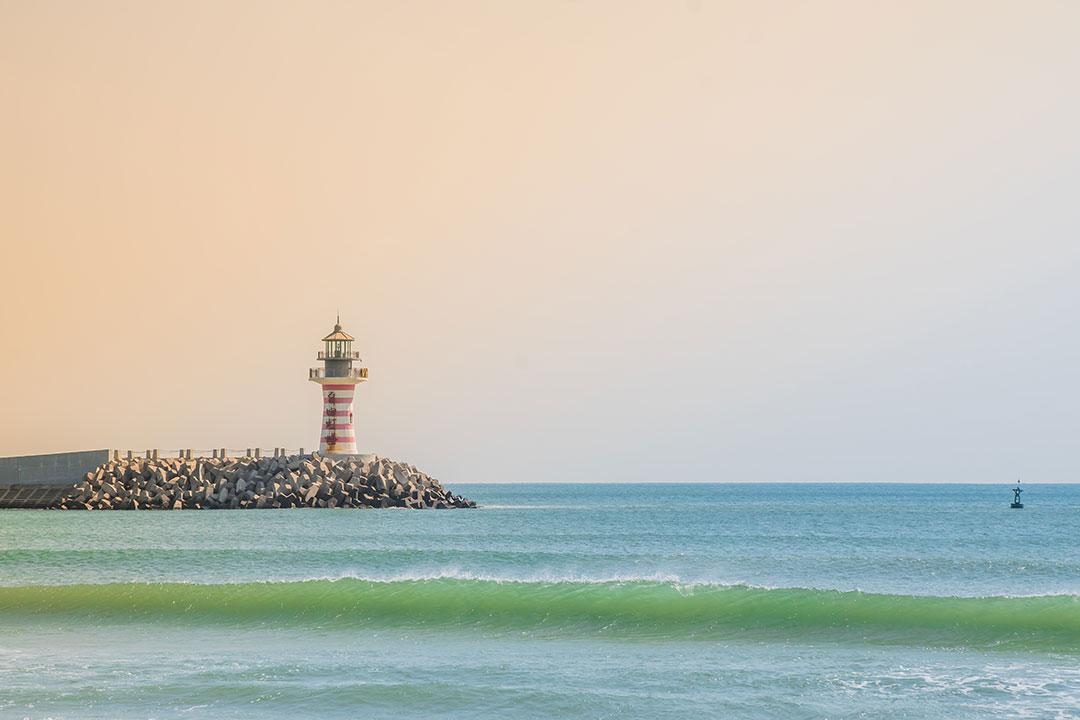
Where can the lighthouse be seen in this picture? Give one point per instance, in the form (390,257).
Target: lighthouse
(338,379)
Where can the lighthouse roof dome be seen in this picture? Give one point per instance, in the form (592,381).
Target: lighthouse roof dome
(338,334)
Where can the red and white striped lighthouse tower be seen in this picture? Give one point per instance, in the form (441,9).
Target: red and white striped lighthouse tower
(339,379)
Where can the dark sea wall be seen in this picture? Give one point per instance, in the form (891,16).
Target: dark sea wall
(286,481)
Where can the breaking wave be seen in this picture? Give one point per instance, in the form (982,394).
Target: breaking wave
(633,609)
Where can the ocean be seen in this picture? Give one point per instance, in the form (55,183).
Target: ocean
(569,601)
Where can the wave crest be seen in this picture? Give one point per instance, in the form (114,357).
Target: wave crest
(655,609)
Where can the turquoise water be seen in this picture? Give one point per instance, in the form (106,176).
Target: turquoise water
(590,601)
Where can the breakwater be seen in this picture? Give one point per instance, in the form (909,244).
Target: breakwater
(37,481)
(283,481)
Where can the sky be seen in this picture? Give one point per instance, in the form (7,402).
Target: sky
(576,241)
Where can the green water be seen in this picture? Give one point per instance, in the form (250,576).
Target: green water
(554,601)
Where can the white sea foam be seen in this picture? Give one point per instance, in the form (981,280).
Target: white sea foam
(541,577)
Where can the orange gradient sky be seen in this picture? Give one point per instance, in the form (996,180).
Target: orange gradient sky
(580,241)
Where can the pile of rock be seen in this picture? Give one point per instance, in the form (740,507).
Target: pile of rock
(287,481)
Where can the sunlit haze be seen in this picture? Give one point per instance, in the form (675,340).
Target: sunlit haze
(575,241)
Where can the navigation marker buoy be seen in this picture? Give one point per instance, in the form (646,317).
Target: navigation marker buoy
(1016,504)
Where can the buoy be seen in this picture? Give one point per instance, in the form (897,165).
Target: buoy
(1016,504)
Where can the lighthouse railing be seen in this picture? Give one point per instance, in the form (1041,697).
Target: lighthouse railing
(340,355)
(205,453)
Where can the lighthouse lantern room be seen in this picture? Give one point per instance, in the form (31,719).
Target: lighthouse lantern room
(338,378)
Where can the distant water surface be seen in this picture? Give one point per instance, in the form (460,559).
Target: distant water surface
(650,601)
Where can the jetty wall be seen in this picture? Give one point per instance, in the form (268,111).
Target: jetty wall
(41,480)
(121,480)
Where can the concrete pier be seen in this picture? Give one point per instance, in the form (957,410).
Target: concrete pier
(123,480)
(37,481)
(34,481)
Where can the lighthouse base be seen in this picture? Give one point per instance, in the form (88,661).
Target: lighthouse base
(338,450)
